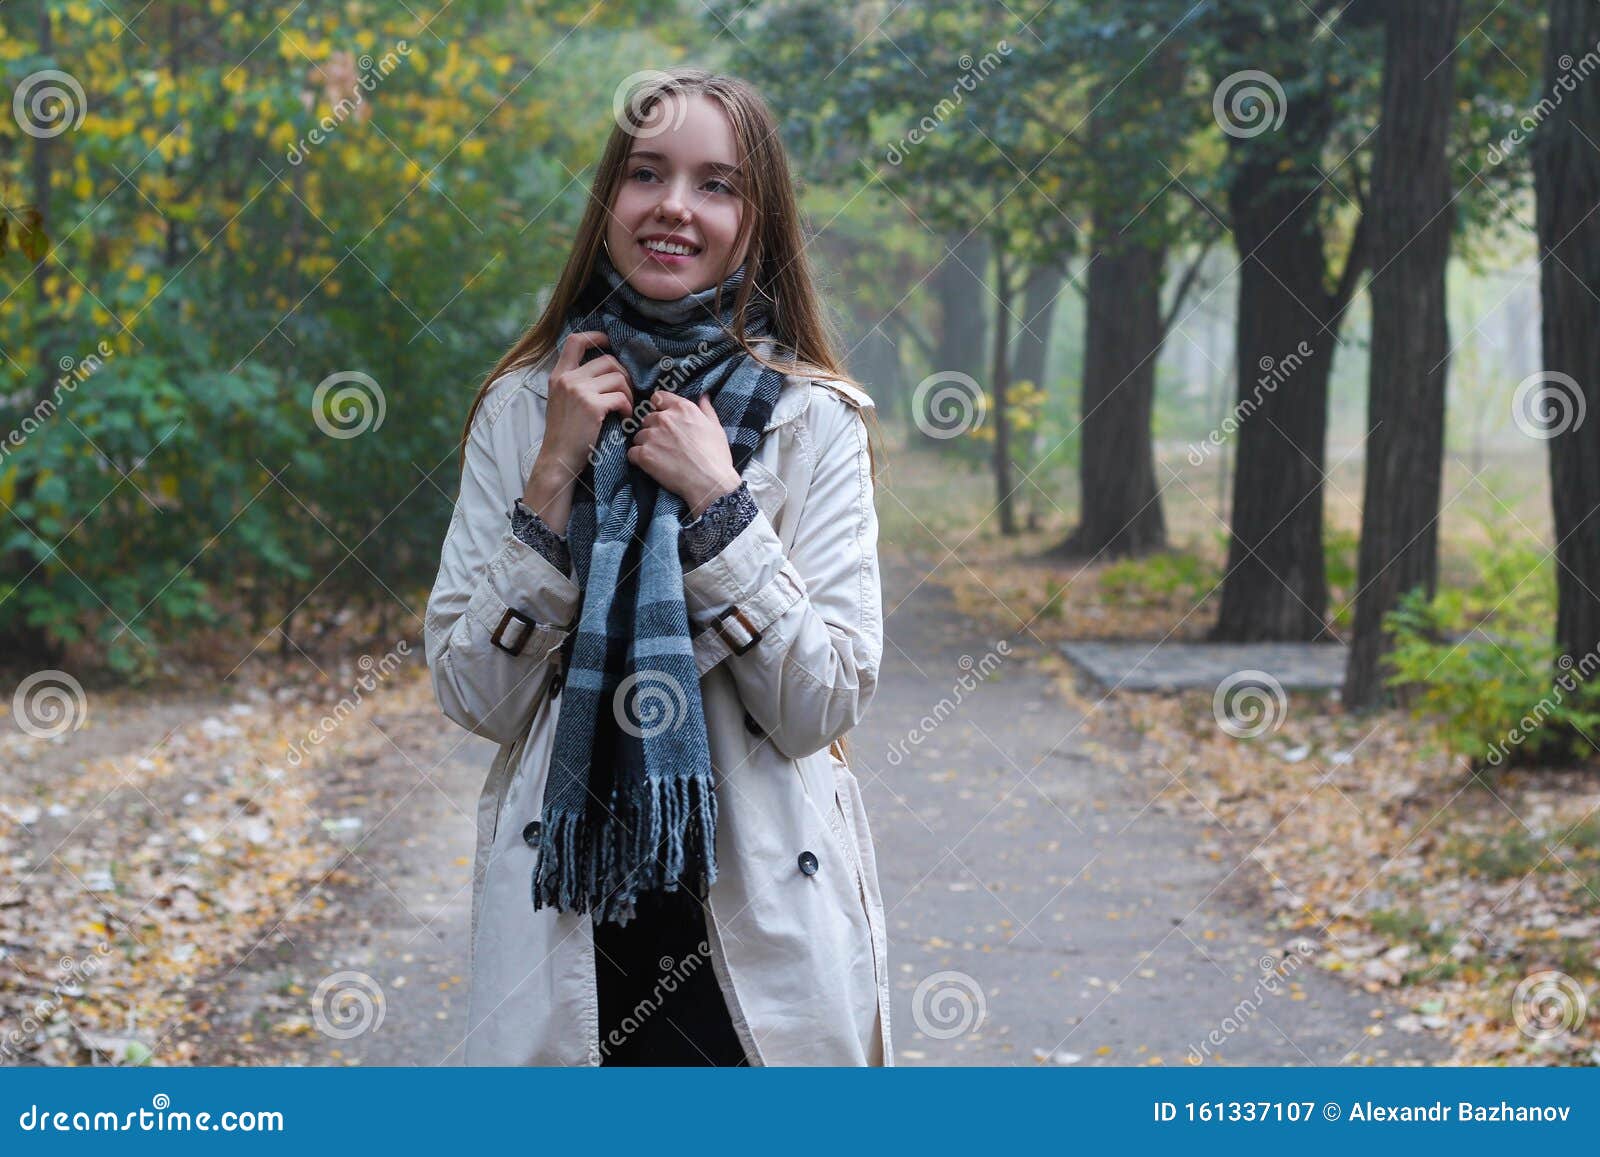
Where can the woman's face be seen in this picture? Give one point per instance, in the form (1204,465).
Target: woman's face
(679,185)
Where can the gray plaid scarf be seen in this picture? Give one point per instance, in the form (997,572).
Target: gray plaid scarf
(629,805)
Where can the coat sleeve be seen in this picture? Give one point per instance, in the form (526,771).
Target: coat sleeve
(802,633)
(499,609)
(703,538)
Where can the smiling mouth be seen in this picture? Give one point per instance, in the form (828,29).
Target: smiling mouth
(670,251)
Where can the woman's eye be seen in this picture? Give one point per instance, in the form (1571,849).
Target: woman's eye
(716,184)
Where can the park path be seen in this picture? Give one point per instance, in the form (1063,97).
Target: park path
(1042,907)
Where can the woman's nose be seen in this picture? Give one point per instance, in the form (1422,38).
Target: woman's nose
(674,203)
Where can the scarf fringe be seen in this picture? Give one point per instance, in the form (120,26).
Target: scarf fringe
(586,867)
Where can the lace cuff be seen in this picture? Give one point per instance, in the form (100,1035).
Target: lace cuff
(531,529)
(718,525)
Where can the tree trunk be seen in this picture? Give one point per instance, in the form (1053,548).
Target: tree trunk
(876,361)
(1412,217)
(1120,512)
(1120,503)
(1275,587)
(1000,379)
(1030,352)
(1567,181)
(958,284)
(1030,356)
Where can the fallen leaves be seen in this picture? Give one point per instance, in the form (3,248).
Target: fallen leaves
(1407,873)
(166,853)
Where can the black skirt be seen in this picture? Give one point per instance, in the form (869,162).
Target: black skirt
(660,1003)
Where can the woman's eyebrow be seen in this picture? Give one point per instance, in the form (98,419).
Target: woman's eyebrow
(707,166)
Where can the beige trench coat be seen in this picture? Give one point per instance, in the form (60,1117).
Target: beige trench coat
(789,667)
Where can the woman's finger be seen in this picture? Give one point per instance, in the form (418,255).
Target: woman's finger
(604,366)
(573,348)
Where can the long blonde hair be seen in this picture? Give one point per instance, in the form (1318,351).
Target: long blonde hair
(776,257)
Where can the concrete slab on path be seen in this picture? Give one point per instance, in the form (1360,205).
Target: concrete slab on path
(1176,665)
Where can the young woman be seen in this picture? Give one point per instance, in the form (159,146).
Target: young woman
(660,595)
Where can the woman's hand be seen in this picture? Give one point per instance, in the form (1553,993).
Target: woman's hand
(681,444)
(580,397)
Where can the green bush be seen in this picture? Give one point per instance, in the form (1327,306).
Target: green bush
(1159,579)
(1340,551)
(1481,661)
(163,497)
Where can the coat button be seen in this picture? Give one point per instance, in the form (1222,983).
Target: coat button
(530,834)
(751,725)
(808,863)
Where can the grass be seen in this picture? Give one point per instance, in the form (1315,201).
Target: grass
(1505,855)
(1513,853)
(1157,579)
(1413,926)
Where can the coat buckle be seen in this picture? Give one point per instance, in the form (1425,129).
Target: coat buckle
(522,638)
(744,621)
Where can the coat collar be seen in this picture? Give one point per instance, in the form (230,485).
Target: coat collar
(792,399)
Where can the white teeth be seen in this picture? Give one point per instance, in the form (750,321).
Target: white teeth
(670,247)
